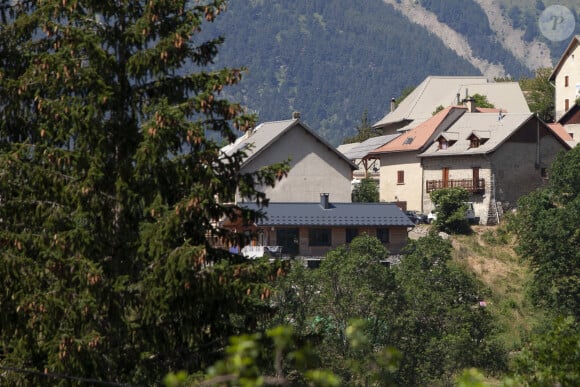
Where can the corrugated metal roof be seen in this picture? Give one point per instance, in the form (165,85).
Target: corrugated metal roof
(437,91)
(338,214)
(360,150)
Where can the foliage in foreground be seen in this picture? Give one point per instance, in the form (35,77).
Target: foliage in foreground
(450,208)
(366,191)
(552,357)
(425,307)
(110,179)
(547,226)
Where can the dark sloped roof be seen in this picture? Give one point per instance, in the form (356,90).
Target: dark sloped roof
(338,214)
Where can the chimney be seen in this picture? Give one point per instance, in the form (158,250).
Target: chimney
(324,203)
(470,104)
(393,104)
(296,115)
(458,99)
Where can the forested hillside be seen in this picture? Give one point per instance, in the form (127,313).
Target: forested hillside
(333,60)
(330,60)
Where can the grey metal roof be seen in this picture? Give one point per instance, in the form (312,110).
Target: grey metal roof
(442,90)
(338,214)
(497,131)
(360,150)
(256,140)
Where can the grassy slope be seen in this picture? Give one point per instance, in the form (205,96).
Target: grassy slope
(489,254)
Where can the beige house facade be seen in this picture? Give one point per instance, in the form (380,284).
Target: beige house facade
(315,165)
(566,79)
(401,172)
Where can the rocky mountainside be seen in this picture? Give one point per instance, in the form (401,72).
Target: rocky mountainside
(333,60)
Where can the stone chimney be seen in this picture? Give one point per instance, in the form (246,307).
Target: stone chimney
(324,202)
(470,104)
(296,115)
(393,104)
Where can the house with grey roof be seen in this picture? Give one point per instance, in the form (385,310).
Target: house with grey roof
(444,91)
(311,229)
(497,157)
(360,154)
(315,165)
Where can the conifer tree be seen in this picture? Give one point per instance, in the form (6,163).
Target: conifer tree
(112,188)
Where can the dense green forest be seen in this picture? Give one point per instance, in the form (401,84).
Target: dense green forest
(467,17)
(330,60)
(333,60)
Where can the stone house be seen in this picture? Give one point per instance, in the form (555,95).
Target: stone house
(498,157)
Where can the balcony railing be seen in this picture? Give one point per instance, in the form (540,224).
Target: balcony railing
(476,186)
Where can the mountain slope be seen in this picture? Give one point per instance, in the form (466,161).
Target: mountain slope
(332,60)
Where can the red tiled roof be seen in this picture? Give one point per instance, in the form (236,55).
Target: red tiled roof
(415,138)
(560,131)
(489,110)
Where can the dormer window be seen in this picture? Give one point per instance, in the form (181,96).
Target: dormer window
(447,139)
(477,138)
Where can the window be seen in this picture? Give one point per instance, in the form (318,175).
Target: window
(566,104)
(408,140)
(475,172)
(445,177)
(351,233)
(319,237)
(383,235)
(474,142)
(400,177)
(566,81)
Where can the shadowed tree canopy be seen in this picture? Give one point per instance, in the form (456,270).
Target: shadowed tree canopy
(547,224)
(110,179)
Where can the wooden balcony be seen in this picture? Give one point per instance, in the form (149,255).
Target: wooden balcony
(476,186)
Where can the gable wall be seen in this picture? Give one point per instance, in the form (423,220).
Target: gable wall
(571,68)
(516,167)
(410,191)
(315,169)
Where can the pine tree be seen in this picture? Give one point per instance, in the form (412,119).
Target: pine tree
(110,186)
